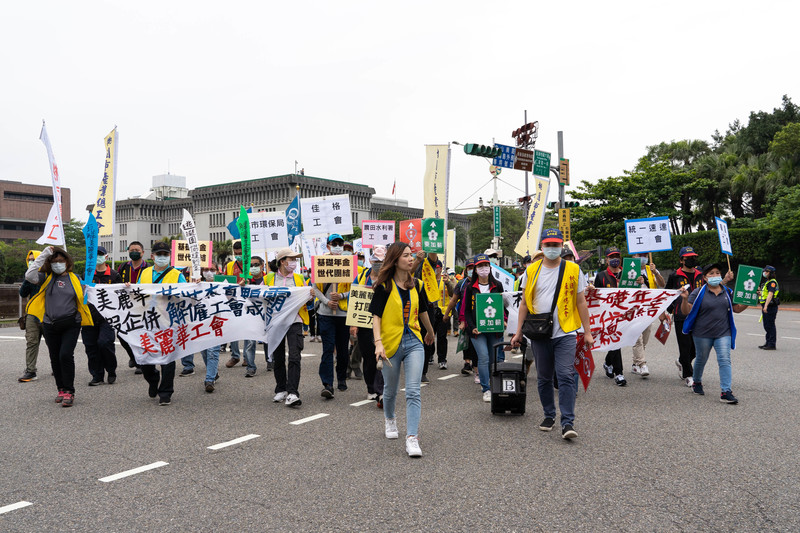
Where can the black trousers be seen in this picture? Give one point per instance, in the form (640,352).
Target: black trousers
(98,340)
(373,378)
(685,349)
(614,359)
(128,350)
(312,323)
(769,325)
(294,338)
(435,316)
(61,340)
(165,387)
(441,339)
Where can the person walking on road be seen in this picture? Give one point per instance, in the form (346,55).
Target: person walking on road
(769,300)
(650,278)
(555,353)
(689,275)
(609,278)
(709,320)
(59,307)
(33,327)
(98,339)
(366,340)
(129,272)
(398,306)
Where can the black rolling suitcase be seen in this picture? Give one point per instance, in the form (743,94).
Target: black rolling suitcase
(507,384)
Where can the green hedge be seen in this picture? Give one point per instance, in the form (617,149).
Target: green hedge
(749,248)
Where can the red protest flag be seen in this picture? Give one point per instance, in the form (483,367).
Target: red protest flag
(662,333)
(584,363)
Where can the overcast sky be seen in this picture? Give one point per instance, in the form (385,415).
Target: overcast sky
(222,92)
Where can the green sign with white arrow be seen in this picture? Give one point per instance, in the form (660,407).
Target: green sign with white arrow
(489,313)
(433,235)
(747,280)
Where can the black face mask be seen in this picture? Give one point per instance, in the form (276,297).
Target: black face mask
(135,255)
(690,262)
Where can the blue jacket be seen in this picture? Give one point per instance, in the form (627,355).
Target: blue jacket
(688,324)
(28,289)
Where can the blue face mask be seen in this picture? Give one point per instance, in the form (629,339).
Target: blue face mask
(361,262)
(714,281)
(552,252)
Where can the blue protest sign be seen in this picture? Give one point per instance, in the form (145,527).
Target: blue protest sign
(90,235)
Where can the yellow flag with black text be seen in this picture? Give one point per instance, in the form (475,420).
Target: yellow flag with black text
(105,207)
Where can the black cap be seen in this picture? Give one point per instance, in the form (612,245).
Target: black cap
(161,246)
(101,251)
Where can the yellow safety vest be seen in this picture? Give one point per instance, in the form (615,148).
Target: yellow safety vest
(171,277)
(35,305)
(567,304)
(341,288)
(269,281)
(764,292)
(444,301)
(392,326)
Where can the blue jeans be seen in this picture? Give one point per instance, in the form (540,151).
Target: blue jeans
(335,336)
(249,354)
(483,345)
(211,359)
(722,345)
(411,352)
(188,362)
(557,355)
(235,350)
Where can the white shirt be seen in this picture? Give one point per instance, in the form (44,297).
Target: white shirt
(545,290)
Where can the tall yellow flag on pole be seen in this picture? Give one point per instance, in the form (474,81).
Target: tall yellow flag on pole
(105,206)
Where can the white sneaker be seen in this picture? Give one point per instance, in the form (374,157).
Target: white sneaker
(635,369)
(293,400)
(412,447)
(278,398)
(477,377)
(372,396)
(391,428)
(487,396)
(680,368)
(689,382)
(644,371)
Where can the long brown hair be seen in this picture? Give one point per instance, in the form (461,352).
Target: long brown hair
(56,252)
(393,253)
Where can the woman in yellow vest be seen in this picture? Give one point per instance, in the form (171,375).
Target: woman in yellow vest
(398,305)
(59,307)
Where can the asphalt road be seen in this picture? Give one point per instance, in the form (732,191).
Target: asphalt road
(651,456)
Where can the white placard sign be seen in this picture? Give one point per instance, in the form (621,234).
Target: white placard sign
(328,214)
(724,236)
(505,277)
(646,235)
(377,232)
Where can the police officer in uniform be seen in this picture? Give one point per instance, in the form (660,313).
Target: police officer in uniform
(768,300)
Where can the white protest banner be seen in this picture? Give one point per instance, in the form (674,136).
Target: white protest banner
(268,232)
(54,228)
(450,249)
(646,235)
(358,247)
(504,277)
(105,206)
(529,242)
(164,322)
(358,314)
(512,301)
(329,214)
(377,232)
(190,234)
(724,236)
(435,182)
(618,316)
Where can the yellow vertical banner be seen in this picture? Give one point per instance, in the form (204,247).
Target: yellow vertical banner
(105,205)
(435,182)
(430,282)
(564,224)
(529,242)
(450,249)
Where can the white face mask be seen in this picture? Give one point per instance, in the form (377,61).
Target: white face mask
(494,260)
(58,268)
(161,260)
(551,252)
(291,266)
(30,264)
(255,271)
(337,250)
(469,272)
(208,275)
(101,259)
(483,271)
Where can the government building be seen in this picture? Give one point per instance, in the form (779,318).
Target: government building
(159,214)
(24,209)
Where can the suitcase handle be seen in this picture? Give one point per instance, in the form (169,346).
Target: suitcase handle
(493,355)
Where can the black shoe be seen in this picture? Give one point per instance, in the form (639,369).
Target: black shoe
(425,379)
(768,348)
(112,378)
(138,371)
(342,386)
(327,392)
(152,391)
(358,374)
(762,346)
(270,366)
(209,386)
(697,388)
(164,401)
(547,424)
(27,376)
(186,372)
(95,382)
(568,432)
(728,397)
(467,370)
(131,363)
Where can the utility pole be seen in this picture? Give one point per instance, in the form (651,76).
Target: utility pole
(527,194)
(561,199)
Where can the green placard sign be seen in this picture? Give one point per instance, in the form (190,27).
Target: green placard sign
(631,270)
(224,279)
(433,235)
(497,221)
(541,163)
(747,279)
(489,313)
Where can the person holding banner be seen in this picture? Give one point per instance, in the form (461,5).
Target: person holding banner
(287,390)
(98,339)
(160,272)
(554,352)
(482,282)
(689,275)
(59,307)
(768,299)
(33,327)
(210,355)
(235,268)
(398,306)
(331,319)
(366,340)
(249,348)
(609,278)
(650,278)
(709,320)
(129,273)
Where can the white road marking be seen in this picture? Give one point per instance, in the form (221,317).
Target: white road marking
(517,356)
(362,402)
(14,506)
(232,442)
(756,334)
(308,355)
(449,376)
(309,419)
(14,338)
(133,471)
(792,338)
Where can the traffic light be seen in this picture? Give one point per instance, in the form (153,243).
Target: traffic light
(572,204)
(552,205)
(482,150)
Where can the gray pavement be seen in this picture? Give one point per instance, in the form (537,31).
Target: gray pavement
(649,457)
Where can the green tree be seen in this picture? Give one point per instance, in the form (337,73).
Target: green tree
(223,249)
(786,143)
(783,224)
(481,229)
(762,126)
(461,241)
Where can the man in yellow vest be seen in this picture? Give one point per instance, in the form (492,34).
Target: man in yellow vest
(554,352)
(161,272)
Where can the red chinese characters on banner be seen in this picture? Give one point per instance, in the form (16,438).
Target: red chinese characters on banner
(584,362)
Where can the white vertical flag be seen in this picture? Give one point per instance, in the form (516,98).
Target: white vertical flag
(190,234)
(54,228)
